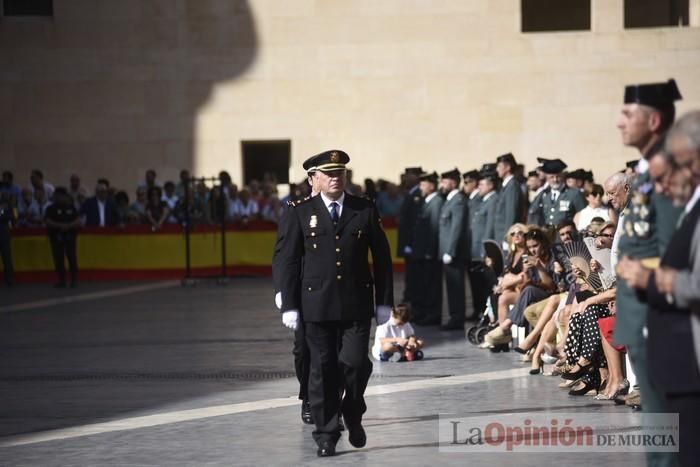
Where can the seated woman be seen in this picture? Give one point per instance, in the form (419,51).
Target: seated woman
(585,350)
(505,292)
(536,283)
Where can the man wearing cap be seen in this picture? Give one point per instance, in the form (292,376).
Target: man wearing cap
(470,188)
(408,215)
(325,274)
(481,224)
(454,247)
(558,203)
(427,305)
(646,226)
(535,214)
(300,349)
(511,201)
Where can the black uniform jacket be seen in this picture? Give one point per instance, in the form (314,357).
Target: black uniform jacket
(324,270)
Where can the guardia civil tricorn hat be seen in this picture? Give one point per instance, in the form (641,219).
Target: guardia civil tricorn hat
(653,94)
(327,161)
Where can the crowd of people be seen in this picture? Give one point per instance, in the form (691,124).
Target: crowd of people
(603,277)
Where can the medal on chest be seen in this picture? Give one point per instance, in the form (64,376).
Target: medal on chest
(313,222)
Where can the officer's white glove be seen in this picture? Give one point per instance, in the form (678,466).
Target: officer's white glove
(278,300)
(407,250)
(290,319)
(383,313)
(446,259)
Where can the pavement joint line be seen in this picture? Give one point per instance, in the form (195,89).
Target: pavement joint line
(88,296)
(146,421)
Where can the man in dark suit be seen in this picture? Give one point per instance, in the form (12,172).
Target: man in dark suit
(427,307)
(481,278)
(454,248)
(301,349)
(408,215)
(325,275)
(99,210)
(511,201)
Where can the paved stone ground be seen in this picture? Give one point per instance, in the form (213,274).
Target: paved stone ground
(172,349)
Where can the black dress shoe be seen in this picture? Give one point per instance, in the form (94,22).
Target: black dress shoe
(326,449)
(306,412)
(357,436)
(582,371)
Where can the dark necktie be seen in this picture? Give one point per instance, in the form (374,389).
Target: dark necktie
(334,212)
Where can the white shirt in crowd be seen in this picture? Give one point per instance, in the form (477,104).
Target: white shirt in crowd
(390,329)
(101,210)
(430,197)
(237,209)
(171,202)
(586,215)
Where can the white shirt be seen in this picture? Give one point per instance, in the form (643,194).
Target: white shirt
(642,166)
(452,194)
(615,249)
(101,210)
(587,214)
(430,196)
(473,194)
(693,200)
(506,180)
(389,329)
(488,195)
(327,201)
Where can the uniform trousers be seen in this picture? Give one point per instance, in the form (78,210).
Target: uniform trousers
(427,304)
(339,358)
(301,361)
(481,281)
(63,245)
(6,253)
(411,280)
(456,291)
(652,399)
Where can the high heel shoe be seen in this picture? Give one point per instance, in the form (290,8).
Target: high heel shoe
(538,370)
(520,350)
(587,386)
(582,371)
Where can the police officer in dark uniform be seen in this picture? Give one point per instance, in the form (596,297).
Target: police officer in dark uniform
(535,213)
(647,225)
(62,222)
(408,215)
(8,215)
(454,247)
(510,204)
(325,275)
(427,307)
(300,349)
(558,203)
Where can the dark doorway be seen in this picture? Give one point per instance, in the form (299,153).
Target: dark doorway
(266,157)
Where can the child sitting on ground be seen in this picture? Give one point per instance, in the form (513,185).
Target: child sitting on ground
(395,339)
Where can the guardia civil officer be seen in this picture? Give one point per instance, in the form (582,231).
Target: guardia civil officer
(454,247)
(300,349)
(510,203)
(646,226)
(558,203)
(408,215)
(62,222)
(427,306)
(325,276)
(470,188)
(481,278)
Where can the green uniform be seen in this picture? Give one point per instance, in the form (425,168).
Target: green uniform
(648,224)
(564,207)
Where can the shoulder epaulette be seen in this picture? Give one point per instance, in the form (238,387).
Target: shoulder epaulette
(299,202)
